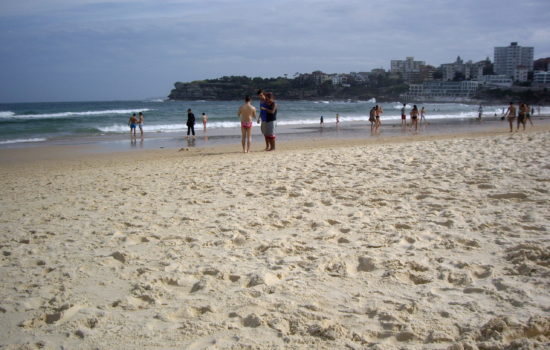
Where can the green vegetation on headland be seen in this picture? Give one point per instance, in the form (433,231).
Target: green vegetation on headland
(384,86)
(302,87)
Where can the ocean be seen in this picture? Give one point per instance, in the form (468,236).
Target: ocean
(34,123)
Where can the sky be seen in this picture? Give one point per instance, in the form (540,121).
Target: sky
(84,50)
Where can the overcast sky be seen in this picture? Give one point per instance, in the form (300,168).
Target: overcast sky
(82,50)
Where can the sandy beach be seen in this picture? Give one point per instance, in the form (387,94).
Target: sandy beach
(415,242)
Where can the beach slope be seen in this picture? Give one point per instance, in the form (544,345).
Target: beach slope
(435,243)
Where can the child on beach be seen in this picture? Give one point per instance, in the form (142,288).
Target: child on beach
(247,113)
(132,122)
(204,120)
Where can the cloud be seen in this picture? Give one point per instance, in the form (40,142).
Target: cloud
(113,44)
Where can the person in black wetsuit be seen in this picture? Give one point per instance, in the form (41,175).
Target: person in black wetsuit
(190,122)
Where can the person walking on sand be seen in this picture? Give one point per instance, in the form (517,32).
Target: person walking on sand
(141,119)
(271,117)
(403,116)
(530,112)
(377,122)
(511,115)
(480,112)
(522,115)
(190,123)
(204,121)
(414,117)
(372,118)
(247,113)
(132,122)
(263,117)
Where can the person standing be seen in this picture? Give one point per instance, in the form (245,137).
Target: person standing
(377,121)
(141,119)
(522,115)
(132,122)
(204,121)
(511,115)
(480,112)
(337,118)
(403,116)
(247,113)
(322,122)
(372,118)
(271,117)
(263,117)
(414,117)
(530,112)
(190,123)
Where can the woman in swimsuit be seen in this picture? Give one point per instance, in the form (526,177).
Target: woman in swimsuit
(414,118)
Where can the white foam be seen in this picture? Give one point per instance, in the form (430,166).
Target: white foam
(71,114)
(6,114)
(5,142)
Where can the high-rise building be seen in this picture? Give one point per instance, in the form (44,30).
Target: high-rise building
(409,68)
(509,58)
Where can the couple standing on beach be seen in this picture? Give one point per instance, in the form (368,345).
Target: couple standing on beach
(268,115)
(522,116)
(136,121)
(374,118)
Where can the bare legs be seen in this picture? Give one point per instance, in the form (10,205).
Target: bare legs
(246,139)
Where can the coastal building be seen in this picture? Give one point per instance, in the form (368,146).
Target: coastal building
(541,78)
(511,58)
(500,80)
(466,71)
(409,69)
(443,90)
(521,74)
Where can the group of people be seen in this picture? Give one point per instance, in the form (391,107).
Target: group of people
(136,121)
(191,122)
(247,115)
(523,115)
(415,116)
(267,117)
(374,118)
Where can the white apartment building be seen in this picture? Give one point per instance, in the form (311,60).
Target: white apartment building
(407,66)
(507,59)
(469,69)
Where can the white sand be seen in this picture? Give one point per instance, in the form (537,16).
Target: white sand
(433,244)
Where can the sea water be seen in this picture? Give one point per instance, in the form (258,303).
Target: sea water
(25,123)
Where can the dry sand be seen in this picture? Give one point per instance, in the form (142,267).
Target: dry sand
(422,243)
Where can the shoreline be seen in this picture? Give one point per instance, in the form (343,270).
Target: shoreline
(306,137)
